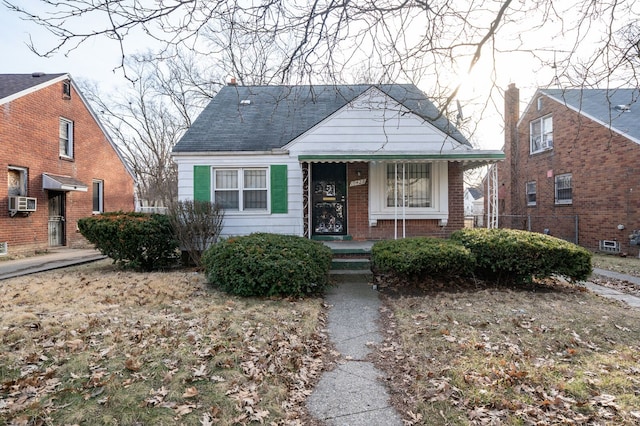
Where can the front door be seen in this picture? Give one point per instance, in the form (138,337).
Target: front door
(329,197)
(56,218)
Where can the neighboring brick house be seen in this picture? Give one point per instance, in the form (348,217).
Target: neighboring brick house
(58,164)
(572,166)
(359,162)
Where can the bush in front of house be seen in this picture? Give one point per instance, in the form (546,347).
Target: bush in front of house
(197,226)
(265,264)
(422,256)
(137,240)
(509,255)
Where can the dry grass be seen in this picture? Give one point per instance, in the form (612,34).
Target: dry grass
(95,345)
(623,265)
(556,355)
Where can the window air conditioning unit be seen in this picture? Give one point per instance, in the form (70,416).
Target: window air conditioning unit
(22,204)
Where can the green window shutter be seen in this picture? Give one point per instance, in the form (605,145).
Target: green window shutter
(202,183)
(279,189)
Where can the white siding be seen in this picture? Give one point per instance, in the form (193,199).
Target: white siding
(364,127)
(244,223)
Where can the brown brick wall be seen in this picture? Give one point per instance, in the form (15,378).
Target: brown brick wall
(29,137)
(605,168)
(358,210)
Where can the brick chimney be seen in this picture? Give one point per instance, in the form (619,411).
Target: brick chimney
(508,185)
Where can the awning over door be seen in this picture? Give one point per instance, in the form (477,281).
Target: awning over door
(62,183)
(470,159)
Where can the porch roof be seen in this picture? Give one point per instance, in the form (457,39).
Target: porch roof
(470,160)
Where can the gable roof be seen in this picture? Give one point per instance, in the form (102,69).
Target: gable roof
(617,109)
(475,193)
(13,86)
(264,118)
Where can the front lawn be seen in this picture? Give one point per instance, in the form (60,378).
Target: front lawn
(96,345)
(488,355)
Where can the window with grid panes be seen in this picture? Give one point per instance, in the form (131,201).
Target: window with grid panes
(563,189)
(408,184)
(240,189)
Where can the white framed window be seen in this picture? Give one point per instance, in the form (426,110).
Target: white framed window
(531,193)
(563,189)
(541,134)
(66,138)
(17,181)
(425,185)
(409,185)
(98,196)
(539,103)
(243,189)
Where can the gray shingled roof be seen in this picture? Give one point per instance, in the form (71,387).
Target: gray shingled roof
(275,115)
(616,107)
(11,84)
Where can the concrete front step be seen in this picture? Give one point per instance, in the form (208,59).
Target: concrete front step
(358,264)
(351,276)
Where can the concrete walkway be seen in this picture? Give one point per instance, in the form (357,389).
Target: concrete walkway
(352,394)
(610,293)
(54,259)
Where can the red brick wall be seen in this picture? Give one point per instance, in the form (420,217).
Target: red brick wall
(29,138)
(605,168)
(358,209)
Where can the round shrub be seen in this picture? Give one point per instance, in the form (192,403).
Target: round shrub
(264,264)
(519,256)
(422,256)
(137,240)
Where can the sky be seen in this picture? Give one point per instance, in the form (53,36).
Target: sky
(98,59)
(95,60)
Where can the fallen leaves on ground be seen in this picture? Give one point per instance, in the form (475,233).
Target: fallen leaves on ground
(99,345)
(553,354)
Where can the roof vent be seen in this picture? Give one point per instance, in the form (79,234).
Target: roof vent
(37,74)
(623,108)
(245,102)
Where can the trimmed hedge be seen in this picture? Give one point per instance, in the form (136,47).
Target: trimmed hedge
(519,256)
(264,264)
(137,240)
(419,256)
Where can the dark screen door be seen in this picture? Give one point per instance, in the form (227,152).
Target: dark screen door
(329,199)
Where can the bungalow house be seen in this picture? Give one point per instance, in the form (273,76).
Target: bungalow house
(58,164)
(572,166)
(359,162)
